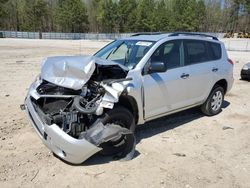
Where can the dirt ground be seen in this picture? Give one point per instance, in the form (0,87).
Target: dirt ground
(182,150)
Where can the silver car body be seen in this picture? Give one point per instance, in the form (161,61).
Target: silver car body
(156,95)
(163,100)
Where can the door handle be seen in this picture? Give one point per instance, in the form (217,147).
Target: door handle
(184,76)
(215,69)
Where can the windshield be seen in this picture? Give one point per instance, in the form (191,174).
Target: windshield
(125,52)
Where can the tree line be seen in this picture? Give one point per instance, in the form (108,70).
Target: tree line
(125,15)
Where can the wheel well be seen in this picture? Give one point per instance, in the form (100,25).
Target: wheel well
(223,84)
(130,103)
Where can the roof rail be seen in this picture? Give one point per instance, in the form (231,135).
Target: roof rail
(147,33)
(193,34)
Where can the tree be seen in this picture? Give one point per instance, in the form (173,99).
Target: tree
(35,13)
(145,17)
(127,15)
(244,19)
(3,13)
(72,16)
(96,15)
(10,11)
(163,14)
(110,16)
(200,15)
(188,15)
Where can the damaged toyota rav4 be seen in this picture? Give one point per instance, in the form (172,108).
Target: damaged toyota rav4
(83,105)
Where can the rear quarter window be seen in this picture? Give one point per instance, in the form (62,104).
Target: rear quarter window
(196,51)
(215,50)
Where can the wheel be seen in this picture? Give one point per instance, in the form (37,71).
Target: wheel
(245,78)
(124,118)
(213,104)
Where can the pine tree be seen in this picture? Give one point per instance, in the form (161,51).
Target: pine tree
(110,17)
(163,15)
(72,16)
(126,15)
(145,17)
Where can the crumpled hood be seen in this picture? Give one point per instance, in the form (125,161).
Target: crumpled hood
(71,71)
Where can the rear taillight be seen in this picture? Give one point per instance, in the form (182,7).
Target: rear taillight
(230,61)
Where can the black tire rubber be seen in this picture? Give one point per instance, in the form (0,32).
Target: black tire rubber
(245,78)
(120,116)
(206,106)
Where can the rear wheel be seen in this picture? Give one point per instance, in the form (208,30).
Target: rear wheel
(213,104)
(124,118)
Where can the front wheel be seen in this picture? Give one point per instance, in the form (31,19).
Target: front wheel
(213,104)
(121,117)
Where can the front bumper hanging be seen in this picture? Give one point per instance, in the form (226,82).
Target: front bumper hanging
(64,146)
(68,148)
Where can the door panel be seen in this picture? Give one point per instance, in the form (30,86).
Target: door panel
(200,82)
(164,92)
(198,60)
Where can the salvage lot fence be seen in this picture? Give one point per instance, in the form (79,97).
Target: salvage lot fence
(237,44)
(231,44)
(64,36)
(73,36)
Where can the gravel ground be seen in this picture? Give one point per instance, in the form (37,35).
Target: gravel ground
(182,150)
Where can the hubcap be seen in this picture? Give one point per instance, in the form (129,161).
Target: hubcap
(216,101)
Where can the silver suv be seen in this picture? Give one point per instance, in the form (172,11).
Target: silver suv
(83,105)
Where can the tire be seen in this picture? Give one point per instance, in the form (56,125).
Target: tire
(119,116)
(245,78)
(212,106)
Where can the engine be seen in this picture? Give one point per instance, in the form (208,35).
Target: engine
(73,111)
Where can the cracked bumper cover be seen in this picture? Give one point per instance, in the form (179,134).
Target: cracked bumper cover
(64,146)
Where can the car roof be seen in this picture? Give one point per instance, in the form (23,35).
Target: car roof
(158,36)
(148,37)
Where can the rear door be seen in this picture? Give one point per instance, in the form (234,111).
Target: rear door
(202,67)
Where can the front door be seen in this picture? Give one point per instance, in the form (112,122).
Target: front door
(165,92)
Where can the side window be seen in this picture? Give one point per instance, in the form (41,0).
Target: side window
(195,52)
(168,53)
(215,50)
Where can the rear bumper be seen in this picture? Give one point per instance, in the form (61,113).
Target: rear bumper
(64,146)
(230,84)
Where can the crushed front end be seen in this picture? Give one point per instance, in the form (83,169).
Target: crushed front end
(66,104)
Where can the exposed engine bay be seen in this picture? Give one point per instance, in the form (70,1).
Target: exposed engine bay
(75,96)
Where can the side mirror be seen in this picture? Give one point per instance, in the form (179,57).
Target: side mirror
(157,67)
